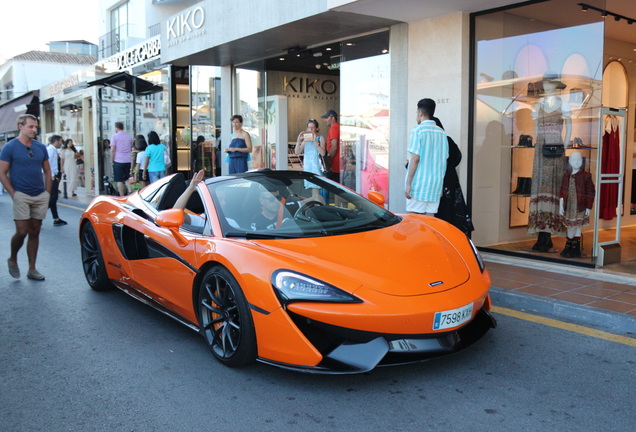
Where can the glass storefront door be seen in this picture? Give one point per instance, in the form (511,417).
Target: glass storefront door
(250,102)
(364,132)
(205,85)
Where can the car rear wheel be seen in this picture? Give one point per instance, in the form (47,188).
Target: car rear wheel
(92,260)
(225,319)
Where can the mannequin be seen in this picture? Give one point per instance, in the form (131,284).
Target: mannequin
(551,114)
(575,202)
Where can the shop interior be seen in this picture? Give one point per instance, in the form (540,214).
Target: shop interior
(600,96)
(279,95)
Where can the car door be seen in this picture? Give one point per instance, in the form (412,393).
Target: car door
(163,262)
(165,266)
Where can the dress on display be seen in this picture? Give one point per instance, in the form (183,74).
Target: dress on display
(611,153)
(547,175)
(237,160)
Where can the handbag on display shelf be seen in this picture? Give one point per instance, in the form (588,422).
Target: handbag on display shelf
(524,186)
(552,150)
(525,141)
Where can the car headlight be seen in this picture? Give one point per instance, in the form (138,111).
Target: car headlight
(478,257)
(291,287)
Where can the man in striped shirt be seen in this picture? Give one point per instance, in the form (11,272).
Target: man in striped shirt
(428,151)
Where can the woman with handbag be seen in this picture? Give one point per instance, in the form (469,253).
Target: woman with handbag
(551,114)
(155,158)
(312,145)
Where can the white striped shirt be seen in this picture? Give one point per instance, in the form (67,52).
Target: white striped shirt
(429,142)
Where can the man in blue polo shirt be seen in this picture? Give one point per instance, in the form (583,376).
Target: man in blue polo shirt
(22,161)
(428,149)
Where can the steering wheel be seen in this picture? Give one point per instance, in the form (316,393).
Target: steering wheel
(301,212)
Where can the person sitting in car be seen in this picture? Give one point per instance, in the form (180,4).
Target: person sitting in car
(272,214)
(278,205)
(190,218)
(194,219)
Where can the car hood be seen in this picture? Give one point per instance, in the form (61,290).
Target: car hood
(406,259)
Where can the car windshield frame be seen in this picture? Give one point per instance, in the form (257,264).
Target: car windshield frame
(292,204)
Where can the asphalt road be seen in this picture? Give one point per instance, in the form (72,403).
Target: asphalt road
(76,360)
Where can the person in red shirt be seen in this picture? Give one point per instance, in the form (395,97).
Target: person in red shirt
(333,144)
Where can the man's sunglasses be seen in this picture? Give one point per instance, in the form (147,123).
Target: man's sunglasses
(30,152)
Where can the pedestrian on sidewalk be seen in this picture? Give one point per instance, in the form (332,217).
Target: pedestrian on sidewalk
(22,161)
(121,144)
(55,142)
(68,160)
(428,152)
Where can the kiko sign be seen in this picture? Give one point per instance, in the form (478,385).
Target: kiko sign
(185,26)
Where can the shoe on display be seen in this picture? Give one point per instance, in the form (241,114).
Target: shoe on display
(59,222)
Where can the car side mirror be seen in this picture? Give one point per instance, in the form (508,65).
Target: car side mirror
(376,197)
(171,218)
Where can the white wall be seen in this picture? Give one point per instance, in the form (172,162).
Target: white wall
(438,68)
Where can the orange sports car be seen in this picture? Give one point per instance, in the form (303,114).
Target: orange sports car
(291,269)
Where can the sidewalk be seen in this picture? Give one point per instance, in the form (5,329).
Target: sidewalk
(590,297)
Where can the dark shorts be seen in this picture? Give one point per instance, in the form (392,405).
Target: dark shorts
(121,171)
(333,176)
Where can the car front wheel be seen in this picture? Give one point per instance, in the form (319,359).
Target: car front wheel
(225,319)
(92,260)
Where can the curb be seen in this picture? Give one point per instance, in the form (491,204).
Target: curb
(612,322)
(72,203)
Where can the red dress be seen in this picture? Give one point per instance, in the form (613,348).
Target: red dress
(611,153)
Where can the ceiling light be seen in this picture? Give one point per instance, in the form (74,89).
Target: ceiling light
(604,13)
(617,18)
(584,8)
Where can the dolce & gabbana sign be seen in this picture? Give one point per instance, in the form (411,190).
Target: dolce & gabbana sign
(149,50)
(185,26)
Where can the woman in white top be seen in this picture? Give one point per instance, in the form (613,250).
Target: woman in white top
(68,156)
(310,144)
(140,167)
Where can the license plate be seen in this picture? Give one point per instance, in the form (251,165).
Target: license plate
(452,318)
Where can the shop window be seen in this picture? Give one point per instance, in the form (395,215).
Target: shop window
(537,103)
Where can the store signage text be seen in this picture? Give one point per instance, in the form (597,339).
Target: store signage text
(141,53)
(186,26)
(309,85)
(59,86)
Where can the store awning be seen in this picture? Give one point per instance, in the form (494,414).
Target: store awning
(130,84)
(28,103)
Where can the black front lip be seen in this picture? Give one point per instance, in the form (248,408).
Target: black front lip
(347,351)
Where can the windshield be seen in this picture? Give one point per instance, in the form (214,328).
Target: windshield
(291,204)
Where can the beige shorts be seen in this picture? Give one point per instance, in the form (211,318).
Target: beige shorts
(27,207)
